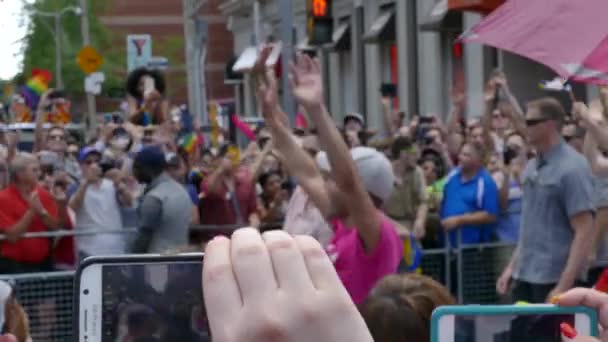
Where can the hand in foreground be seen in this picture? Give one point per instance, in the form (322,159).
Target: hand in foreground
(273,287)
(592,299)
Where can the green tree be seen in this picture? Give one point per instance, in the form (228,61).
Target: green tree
(39,43)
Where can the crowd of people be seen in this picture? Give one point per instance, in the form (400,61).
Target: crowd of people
(533,176)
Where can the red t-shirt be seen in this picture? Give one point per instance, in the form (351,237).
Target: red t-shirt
(217,207)
(12,208)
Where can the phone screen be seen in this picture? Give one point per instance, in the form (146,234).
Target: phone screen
(538,328)
(153,302)
(149,84)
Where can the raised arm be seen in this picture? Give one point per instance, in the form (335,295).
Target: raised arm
(40,113)
(299,164)
(307,88)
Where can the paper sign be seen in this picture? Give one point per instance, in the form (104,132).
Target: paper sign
(139,51)
(93,82)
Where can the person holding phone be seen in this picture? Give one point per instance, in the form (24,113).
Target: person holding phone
(229,194)
(146,102)
(53,142)
(96,202)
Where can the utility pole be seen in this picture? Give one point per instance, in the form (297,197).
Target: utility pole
(58,49)
(195,35)
(286,14)
(86,41)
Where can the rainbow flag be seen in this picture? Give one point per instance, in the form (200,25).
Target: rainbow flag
(37,85)
(189,142)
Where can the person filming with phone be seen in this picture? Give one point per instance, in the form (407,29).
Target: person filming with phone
(96,202)
(53,144)
(146,100)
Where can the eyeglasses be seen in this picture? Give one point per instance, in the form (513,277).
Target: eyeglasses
(57,137)
(534,122)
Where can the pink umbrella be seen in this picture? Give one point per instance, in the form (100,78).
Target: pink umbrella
(569,36)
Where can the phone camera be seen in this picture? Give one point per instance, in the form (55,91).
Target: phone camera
(86,292)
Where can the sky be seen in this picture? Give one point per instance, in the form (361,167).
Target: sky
(13,26)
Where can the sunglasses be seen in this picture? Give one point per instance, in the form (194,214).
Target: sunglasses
(534,122)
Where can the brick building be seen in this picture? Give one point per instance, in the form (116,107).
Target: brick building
(163,20)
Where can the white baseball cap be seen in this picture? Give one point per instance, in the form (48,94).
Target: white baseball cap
(374,168)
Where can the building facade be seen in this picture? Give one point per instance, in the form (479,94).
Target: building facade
(410,43)
(163,20)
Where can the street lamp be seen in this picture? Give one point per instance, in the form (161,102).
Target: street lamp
(58,35)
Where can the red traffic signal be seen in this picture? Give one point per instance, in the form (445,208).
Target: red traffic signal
(320,8)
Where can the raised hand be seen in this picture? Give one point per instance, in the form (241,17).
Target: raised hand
(45,100)
(267,91)
(489,93)
(306,82)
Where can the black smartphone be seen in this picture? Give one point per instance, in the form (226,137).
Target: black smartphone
(426,119)
(388,90)
(509,154)
(117,119)
(141,297)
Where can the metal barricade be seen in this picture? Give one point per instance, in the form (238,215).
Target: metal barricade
(479,268)
(470,271)
(47,298)
(435,264)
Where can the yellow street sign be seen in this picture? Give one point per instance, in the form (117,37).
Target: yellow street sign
(89,59)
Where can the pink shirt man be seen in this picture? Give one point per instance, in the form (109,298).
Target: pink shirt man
(358,269)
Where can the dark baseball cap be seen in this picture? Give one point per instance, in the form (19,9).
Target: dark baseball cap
(151,156)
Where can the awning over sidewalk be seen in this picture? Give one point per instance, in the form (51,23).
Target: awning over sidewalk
(383,28)
(440,18)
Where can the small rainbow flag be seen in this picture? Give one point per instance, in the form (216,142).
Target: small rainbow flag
(189,142)
(37,85)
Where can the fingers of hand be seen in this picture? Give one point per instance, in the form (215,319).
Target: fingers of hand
(220,287)
(320,269)
(587,297)
(252,265)
(288,262)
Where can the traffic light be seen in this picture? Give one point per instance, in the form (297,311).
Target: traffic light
(319,22)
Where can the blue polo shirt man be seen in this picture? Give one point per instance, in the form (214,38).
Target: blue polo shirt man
(470,199)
